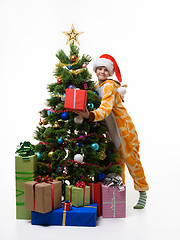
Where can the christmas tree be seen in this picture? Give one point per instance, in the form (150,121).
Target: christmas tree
(70,147)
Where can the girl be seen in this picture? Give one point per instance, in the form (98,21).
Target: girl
(120,126)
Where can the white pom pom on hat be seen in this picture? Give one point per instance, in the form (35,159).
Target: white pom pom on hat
(110,63)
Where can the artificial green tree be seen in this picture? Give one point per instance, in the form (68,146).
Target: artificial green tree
(71,147)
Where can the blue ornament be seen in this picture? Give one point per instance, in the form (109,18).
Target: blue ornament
(39,155)
(69,67)
(63,97)
(96,92)
(64,116)
(59,169)
(60,141)
(95,146)
(90,106)
(79,144)
(108,152)
(49,112)
(101,176)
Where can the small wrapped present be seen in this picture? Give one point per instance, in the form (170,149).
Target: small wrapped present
(67,205)
(42,195)
(24,169)
(79,195)
(113,202)
(75,99)
(82,216)
(96,196)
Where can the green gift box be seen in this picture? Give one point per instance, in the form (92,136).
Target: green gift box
(24,168)
(78,196)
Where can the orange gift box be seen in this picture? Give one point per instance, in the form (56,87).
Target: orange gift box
(75,99)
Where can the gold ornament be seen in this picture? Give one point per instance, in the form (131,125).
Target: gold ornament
(56,125)
(72,35)
(102,155)
(50,154)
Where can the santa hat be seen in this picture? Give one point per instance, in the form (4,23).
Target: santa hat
(110,63)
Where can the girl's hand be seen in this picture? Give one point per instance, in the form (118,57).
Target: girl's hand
(82,114)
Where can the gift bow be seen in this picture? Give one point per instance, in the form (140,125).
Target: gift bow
(113,179)
(80,184)
(46,179)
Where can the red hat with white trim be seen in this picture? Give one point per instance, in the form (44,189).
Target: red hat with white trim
(110,63)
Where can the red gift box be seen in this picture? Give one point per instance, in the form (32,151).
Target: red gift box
(75,99)
(96,196)
(67,206)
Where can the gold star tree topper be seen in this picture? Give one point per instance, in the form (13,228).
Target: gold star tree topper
(72,35)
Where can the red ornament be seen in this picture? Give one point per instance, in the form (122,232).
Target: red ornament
(73,58)
(44,122)
(59,80)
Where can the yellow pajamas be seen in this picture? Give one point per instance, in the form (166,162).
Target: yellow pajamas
(129,147)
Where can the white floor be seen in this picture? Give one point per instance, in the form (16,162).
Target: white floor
(160,219)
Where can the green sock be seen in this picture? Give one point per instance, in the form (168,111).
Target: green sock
(142,201)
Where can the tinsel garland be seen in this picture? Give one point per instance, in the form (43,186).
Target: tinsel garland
(86,164)
(80,138)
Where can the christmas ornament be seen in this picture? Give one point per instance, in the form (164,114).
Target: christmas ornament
(101,176)
(94,124)
(59,169)
(96,92)
(90,106)
(95,146)
(64,116)
(84,65)
(59,80)
(60,141)
(73,58)
(71,86)
(72,35)
(85,85)
(39,155)
(82,137)
(79,144)
(78,158)
(69,67)
(49,112)
(50,154)
(63,97)
(40,123)
(78,119)
(56,125)
(44,122)
(102,155)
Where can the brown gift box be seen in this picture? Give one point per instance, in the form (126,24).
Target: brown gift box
(43,196)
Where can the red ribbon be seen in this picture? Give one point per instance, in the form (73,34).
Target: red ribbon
(46,180)
(80,184)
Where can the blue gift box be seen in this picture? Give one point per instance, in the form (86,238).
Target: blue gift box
(81,216)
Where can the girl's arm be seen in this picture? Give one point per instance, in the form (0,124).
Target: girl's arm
(106,106)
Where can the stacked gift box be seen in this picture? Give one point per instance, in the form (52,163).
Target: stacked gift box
(40,199)
(25,167)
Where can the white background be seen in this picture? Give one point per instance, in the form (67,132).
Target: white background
(144,37)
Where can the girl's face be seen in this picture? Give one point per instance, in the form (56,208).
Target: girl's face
(102,73)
